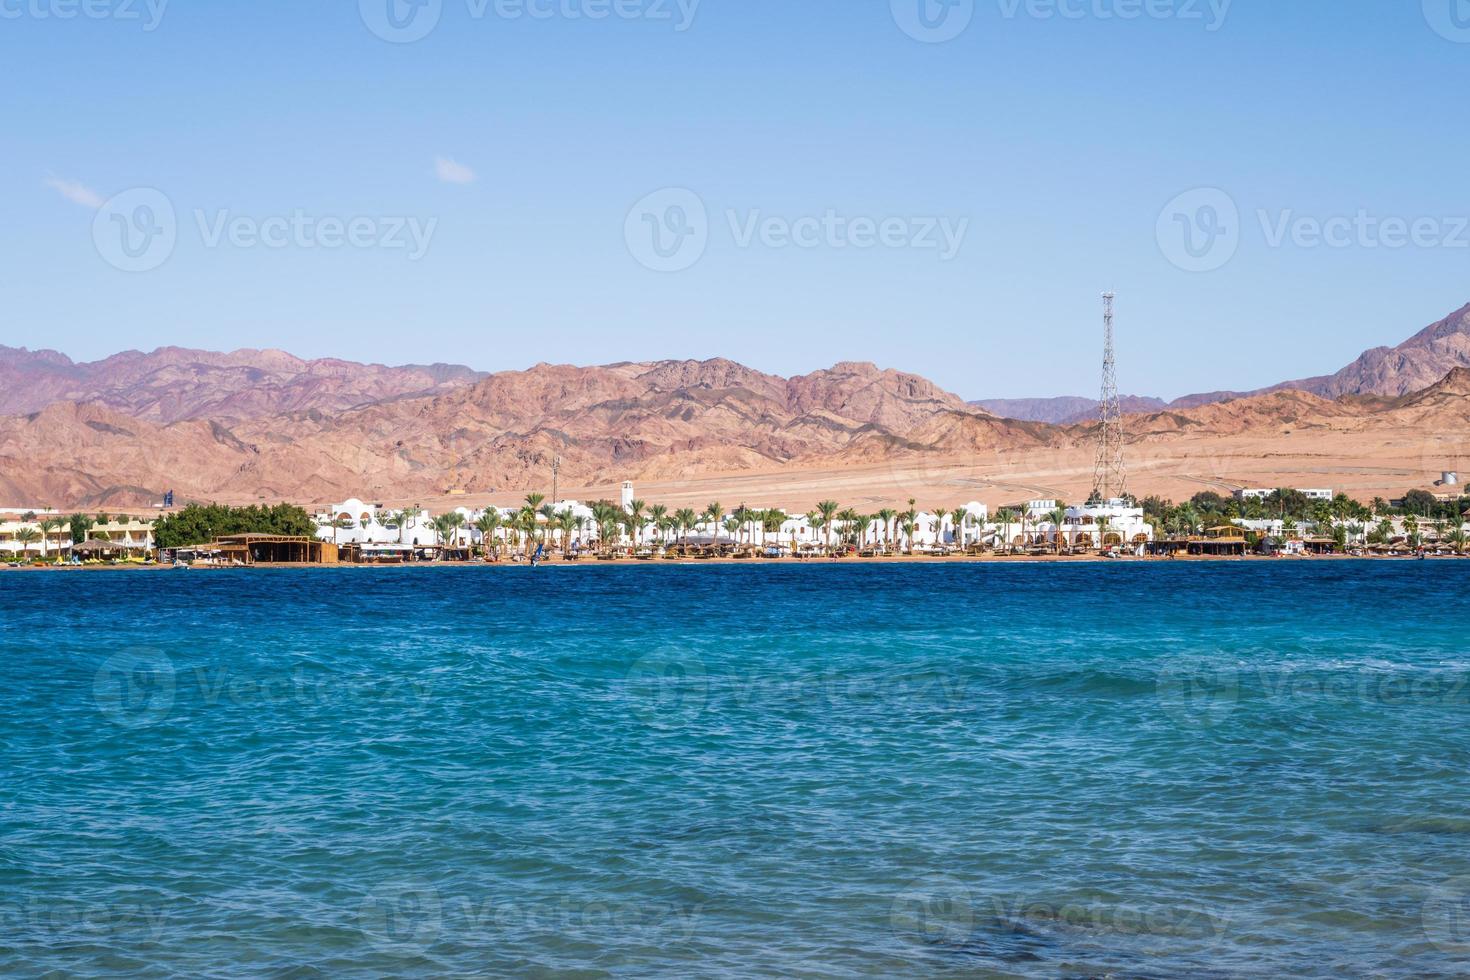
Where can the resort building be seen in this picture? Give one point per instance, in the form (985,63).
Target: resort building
(21,534)
(129,534)
(1261,493)
(1109,524)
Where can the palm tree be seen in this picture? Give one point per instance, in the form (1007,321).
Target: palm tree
(1004,517)
(1458,537)
(26,537)
(732,527)
(909,527)
(742,518)
(403,517)
(47,525)
(714,514)
(887,516)
(443,527)
(656,515)
(862,523)
(960,516)
(635,521)
(940,513)
(567,521)
(686,519)
(79,524)
(828,509)
(1058,517)
(771,521)
(487,525)
(1382,533)
(814,521)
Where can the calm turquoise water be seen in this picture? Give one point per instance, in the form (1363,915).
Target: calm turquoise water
(1166,770)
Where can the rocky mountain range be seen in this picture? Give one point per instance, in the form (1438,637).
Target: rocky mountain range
(265,425)
(1417,363)
(174,384)
(646,421)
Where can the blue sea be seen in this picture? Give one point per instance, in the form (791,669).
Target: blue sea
(821,770)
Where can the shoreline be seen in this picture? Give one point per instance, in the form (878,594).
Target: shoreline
(586,562)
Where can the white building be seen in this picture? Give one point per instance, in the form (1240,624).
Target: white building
(1110,524)
(54,542)
(130,533)
(1259,493)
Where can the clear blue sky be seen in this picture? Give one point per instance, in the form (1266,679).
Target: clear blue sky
(1059,138)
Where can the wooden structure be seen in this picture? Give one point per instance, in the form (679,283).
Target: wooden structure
(1226,541)
(275,549)
(102,548)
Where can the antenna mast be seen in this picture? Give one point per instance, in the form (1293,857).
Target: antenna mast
(555,470)
(1109,478)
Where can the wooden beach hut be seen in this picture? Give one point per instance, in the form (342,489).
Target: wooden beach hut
(276,549)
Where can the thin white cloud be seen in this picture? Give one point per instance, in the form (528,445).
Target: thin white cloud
(450,172)
(76,192)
